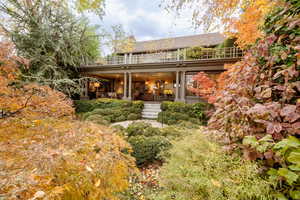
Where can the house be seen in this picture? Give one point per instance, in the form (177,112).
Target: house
(159,70)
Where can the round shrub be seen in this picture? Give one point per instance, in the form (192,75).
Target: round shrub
(98,119)
(199,169)
(148,149)
(120,118)
(151,131)
(138,104)
(137,128)
(134,116)
(108,118)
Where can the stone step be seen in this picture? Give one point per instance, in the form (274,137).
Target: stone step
(151,111)
(148,116)
(152,106)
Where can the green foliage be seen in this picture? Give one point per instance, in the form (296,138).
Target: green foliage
(229,42)
(197,52)
(98,119)
(148,149)
(133,116)
(199,169)
(112,110)
(53,40)
(289,172)
(142,129)
(174,112)
(148,142)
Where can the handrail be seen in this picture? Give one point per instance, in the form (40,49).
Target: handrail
(162,57)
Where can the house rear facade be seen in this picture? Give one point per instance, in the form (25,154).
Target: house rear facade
(160,70)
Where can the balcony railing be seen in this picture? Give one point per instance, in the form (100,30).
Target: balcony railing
(163,57)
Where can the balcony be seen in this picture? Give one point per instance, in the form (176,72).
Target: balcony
(164,57)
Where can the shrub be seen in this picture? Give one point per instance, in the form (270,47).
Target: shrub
(112,110)
(261,95)
(172,132)
(199,169)
(148,149)
(98,119)
(138,104)
(83,106)
(173,112)
(120,119)
(133,116)
(171,118)
(192,124)
(71,160)
(137,129)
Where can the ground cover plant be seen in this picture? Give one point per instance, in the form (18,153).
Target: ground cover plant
(175,112)
(106,111)
(200,169)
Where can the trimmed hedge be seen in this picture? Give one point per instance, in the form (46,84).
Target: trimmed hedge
(175,112)
(112,110)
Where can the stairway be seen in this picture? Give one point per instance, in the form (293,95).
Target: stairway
(151,110)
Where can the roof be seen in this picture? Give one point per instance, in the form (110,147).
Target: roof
(209,39)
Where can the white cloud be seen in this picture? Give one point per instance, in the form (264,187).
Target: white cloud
(145,19)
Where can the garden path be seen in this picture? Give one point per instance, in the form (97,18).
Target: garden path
(154,123)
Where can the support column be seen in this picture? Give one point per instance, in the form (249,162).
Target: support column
(85,91)
(125,86)
(130,59)
(177,87)
(130,86)
(178,54)
(125,59)
(182,86)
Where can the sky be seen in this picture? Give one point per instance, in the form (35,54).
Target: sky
(145,19)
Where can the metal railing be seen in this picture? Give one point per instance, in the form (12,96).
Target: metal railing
(162,57)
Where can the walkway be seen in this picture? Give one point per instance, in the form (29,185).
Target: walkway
(154,123)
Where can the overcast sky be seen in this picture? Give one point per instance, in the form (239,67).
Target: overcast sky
(145,19)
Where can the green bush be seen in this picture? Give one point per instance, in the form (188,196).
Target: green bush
(172,118)
(148,149)
(173,112)
(112,110)
(172,132)
(133,116)
(198,169)
(141,129)
(98,119)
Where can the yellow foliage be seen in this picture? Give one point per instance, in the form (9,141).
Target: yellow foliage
(45,153)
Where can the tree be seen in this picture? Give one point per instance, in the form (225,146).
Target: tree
(258,109)
(47,154)
(212,14)
(52,39)
(119,40)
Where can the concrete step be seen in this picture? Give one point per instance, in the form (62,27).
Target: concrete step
(151,106)
(148,116)
(151,111)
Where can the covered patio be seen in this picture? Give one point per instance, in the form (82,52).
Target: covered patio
(145,86)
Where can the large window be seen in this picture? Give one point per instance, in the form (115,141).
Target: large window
(190,83)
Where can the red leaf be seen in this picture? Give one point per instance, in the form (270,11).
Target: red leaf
(274,128)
